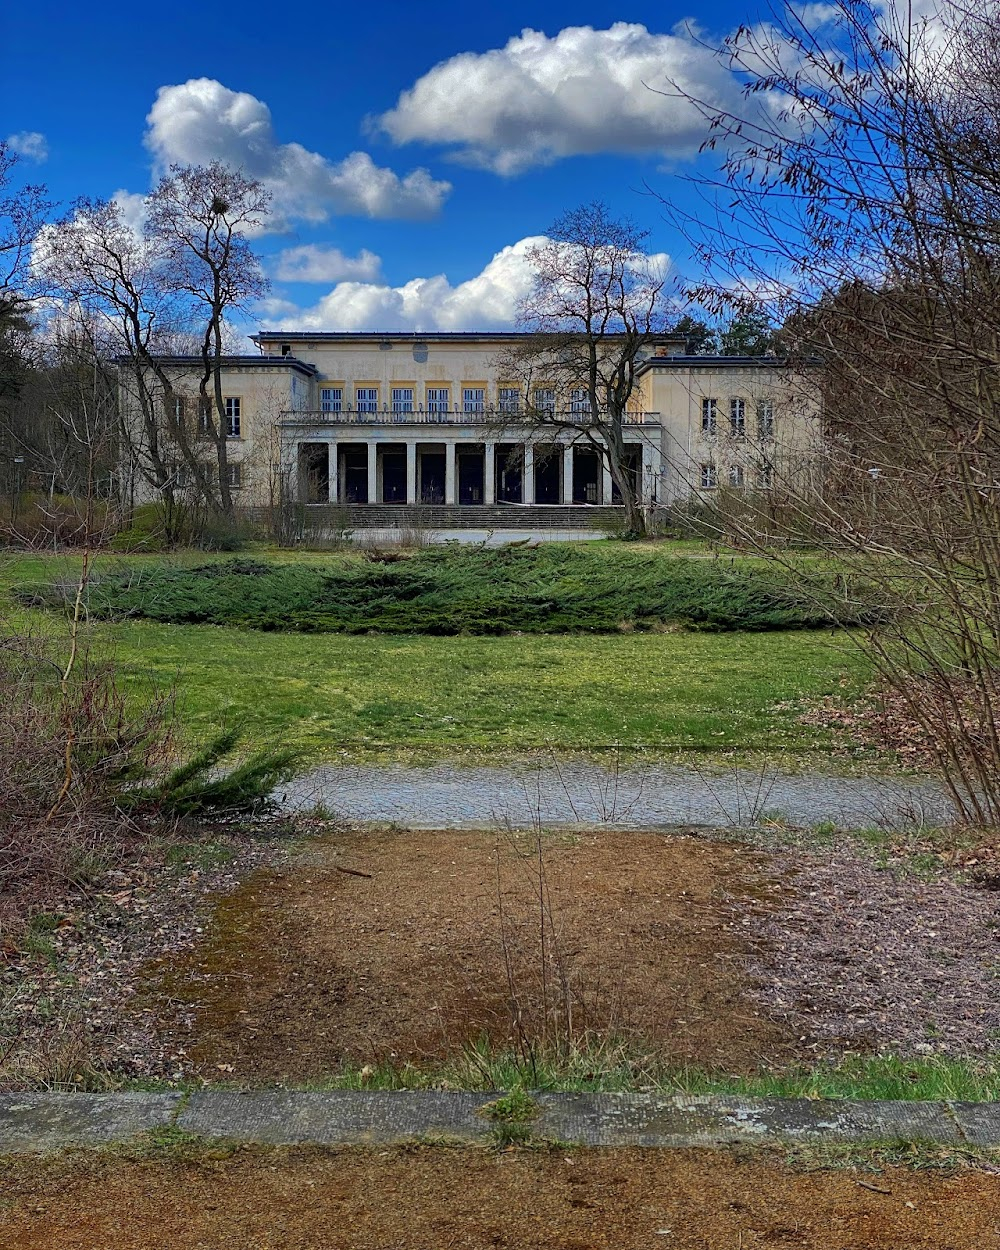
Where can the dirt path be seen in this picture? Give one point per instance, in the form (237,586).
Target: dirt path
(438,1199)
(409,945)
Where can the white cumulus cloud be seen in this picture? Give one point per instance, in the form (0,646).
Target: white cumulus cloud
(315,263)
(200,120)
(489,301)
(31,144)
(583,91)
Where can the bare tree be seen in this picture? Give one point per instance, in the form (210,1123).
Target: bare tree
(102,267)
(23,210)
(161,289)
(863,212)
(596,304)
(198,217)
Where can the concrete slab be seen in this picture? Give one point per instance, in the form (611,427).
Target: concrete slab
(41,1122)
(338,1117)
(979,1122)
(706,1120)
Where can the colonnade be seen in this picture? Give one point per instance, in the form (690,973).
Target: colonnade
(344,470)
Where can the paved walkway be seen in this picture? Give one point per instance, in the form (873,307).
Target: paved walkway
(654,796)
(33,1122)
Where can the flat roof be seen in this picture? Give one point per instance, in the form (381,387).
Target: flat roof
(375,336)
(238,362)
(713,362)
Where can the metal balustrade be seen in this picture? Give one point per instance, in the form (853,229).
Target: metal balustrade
(452,416)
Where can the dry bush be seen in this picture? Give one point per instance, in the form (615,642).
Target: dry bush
(67,751)
(40,522)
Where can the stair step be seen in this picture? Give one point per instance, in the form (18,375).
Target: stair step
(476,516)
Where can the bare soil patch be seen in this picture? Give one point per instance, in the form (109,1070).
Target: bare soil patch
(407,945)
(427,1199)
(863,958)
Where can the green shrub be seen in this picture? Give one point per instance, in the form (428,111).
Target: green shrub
(549,589)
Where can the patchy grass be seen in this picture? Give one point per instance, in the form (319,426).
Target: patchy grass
(426,695)
(621,1069)
(324,693)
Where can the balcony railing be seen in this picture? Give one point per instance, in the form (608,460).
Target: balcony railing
(451,416)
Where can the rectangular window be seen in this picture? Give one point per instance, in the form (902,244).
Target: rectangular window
(234,474)
(509,399)
(579,401)
(182,476)
(545,399)
(366,399)
(331,399)
(736,475)
(473,399)
(204,415)
(708,476)
(738,417)
(178,409)
(765,477)
(438,399)
(709,416)
(402,399)
(765,419)
(232,416)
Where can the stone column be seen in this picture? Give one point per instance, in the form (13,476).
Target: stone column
(645,474)
(606,478)
(449,473)
(411,473)
(332,472)
(372,471)
(567,474)
(656,463)
(489,473)
(528,477)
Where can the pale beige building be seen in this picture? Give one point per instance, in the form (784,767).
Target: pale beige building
(431,419)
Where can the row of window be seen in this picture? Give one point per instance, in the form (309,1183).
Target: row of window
(438,399)
(234,475)
(737,476)
(234,414)
(737,418)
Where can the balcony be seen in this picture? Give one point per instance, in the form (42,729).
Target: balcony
(451,416)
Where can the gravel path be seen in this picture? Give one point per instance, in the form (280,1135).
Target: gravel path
(644,797)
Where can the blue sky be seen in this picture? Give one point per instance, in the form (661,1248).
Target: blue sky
(469,138)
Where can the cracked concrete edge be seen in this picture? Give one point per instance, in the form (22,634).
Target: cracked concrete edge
(43,1122)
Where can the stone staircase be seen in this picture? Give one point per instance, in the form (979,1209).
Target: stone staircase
(477,516)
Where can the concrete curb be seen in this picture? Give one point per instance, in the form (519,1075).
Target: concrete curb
(44,1122)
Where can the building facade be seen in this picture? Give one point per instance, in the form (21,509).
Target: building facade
(436,419)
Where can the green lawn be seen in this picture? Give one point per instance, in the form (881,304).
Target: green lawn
(333,693)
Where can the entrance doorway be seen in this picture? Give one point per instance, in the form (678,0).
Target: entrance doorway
(586,475)
(432,471)
(548,463)
(393,474)
(314,472)
(354,474)
(633,459)
(471,475)
(509,472)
